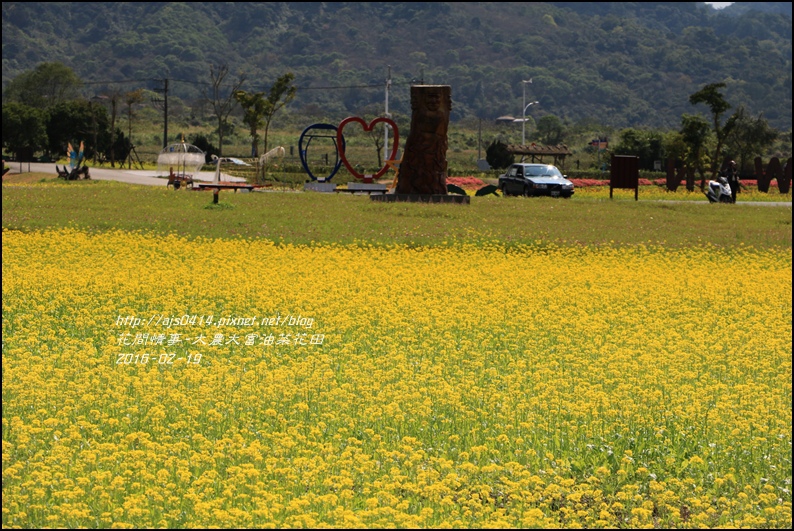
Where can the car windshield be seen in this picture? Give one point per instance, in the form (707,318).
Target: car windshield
(542,171)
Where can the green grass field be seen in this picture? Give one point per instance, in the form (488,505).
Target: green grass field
(591,218)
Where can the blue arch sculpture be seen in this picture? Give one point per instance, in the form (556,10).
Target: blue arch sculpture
(302,149)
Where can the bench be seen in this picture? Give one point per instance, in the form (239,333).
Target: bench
(364,188)
(227,186)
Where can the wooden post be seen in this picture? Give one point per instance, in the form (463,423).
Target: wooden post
(784,184)
(423,169)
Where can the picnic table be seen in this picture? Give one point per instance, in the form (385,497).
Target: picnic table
(226,186)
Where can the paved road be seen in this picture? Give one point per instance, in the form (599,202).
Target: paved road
(148,178)
(738,202)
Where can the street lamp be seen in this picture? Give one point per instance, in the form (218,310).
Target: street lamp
(524,82)
(524,121)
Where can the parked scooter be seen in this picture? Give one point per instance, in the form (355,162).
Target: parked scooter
(719,191)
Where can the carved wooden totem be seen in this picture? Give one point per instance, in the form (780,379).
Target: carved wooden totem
(423,169)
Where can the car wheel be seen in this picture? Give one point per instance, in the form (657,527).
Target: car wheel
(505,193)
(527,192)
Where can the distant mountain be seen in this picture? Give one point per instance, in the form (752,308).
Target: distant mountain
(774,8)
(612,63)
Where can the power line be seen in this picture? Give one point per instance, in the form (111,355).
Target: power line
(117,82)
(189,82)
(373,85)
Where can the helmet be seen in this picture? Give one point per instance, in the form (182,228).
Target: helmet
(722,180)
(733,163)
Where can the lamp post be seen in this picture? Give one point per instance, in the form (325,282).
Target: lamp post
(524,121)
(524,82)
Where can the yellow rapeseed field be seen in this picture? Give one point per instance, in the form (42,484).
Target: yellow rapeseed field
(156,381)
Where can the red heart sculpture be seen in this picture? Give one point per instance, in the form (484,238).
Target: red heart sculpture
(367,127)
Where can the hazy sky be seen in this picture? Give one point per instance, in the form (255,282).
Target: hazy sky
(719,5)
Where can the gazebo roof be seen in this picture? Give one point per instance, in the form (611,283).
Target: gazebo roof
(560,150)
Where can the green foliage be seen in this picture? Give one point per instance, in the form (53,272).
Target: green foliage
(253,105)
(203,143)
(674,145)
(750,136)
(24,130)
(621,64)
(74,122)
(647,145)
(695,133)
(281,93)
(43,87)
(120,148)
(498,156)
(711,96)
(551,130)
(598,68)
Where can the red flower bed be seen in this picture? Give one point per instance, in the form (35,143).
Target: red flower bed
(473,183)
(754,183)
(747,183)
(467,183)
(584,183)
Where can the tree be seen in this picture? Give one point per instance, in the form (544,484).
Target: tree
(711,96)
(222,104)
(253,104)
(24,130)
(750,137)
(674,146)
(75,121)
(376,136)
(203,143)
(695,133)
(47,85)
(550,130)
(131,98)
(281,93)
(498,156)
(647,145)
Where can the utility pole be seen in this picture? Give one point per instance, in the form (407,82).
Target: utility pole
(163,104)
(93,125)
(524,106)
(387,115)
